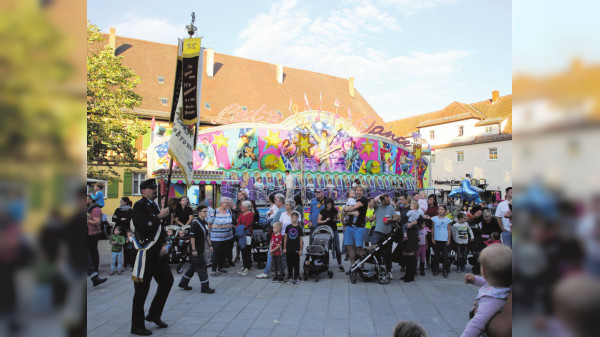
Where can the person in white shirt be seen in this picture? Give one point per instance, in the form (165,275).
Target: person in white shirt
(504,217)
(289,185)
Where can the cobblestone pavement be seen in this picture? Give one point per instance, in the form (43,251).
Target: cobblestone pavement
(247,306)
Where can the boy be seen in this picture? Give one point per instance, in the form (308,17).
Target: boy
(98,196)
(275,251)
(495,283)
(292,247)
(349,217)
(460,234)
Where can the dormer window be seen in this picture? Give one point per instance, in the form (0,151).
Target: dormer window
(161,80)
(164,101)
(207,105)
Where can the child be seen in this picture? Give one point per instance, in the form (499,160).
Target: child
(409,329)
(349,217)
(117,241)
(129,251)
(292,247)
(413,215)
(170,239)
(98,196)
(422,251)
(494,238)
(496,269)
(442,232)
(275,251)
(182,242)
(460,234)
(423,205)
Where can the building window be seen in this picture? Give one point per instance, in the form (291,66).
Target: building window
(431,134)
(207,106)
(488,129)
(244,108)
(433,158)
(493,153)
(164,100)
(137,178)
(460,156)
(161,80)
(461,130)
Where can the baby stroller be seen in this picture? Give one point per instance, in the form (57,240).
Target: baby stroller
(375,256)
(317,254)
(260,244)
(180,252)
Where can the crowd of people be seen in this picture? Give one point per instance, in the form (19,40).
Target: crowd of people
(424,233)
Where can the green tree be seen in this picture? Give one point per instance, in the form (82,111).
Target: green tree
(111,127)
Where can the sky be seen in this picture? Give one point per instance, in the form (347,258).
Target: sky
(407,57)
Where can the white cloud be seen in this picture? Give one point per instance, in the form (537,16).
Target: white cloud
(339,43)
(149,28)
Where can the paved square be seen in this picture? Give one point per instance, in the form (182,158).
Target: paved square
(247,306)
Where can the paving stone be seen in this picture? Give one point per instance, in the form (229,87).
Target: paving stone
(246,306)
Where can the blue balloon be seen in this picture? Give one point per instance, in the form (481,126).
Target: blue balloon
(465,192)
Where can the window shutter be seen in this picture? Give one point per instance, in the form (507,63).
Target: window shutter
(112,189)
(127,183)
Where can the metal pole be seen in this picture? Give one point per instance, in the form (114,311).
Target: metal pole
(168,181)
(303,188)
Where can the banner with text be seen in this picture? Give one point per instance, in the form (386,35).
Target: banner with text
(181,145)
(191,80)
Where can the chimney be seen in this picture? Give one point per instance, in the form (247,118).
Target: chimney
(210,62)
(112,38)
(495,96)
(279,74)
(351,86)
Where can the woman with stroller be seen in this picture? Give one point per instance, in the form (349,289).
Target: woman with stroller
(330,216)
(183,212)
(122,215)
(244,226)
(221,232)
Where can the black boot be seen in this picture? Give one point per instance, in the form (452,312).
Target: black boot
(422,268)
(97,280)
(206,289)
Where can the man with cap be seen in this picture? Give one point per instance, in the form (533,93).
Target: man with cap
(316,205)
(151,260)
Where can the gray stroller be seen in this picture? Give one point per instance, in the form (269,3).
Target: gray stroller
(317,254)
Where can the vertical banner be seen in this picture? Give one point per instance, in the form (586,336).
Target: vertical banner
(181,145)
(177,85)
(191,80)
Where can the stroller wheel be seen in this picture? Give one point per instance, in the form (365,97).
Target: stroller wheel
(353,277)
(305,275)
(317,277)
(383,277)
(330,273)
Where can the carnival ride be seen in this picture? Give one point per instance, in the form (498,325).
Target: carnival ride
(320,149)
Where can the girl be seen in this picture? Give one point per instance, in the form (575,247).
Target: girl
(292,247)
(442,233)
(117,241)
(329,216)
(275,251)
(494,238)
(129,251)
(183,212)
(423,231)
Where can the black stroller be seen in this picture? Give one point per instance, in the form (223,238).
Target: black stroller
(180,252)
(260,244)
(374,256)
(317,254)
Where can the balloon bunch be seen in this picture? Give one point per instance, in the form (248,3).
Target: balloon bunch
(466,192)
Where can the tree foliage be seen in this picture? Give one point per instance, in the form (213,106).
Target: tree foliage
(111,127)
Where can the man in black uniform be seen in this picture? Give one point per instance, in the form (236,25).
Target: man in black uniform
(151,260)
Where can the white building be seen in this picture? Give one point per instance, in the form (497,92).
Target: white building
(473,139)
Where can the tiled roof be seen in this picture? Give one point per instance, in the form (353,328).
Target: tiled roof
(236,80)
(485,111)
